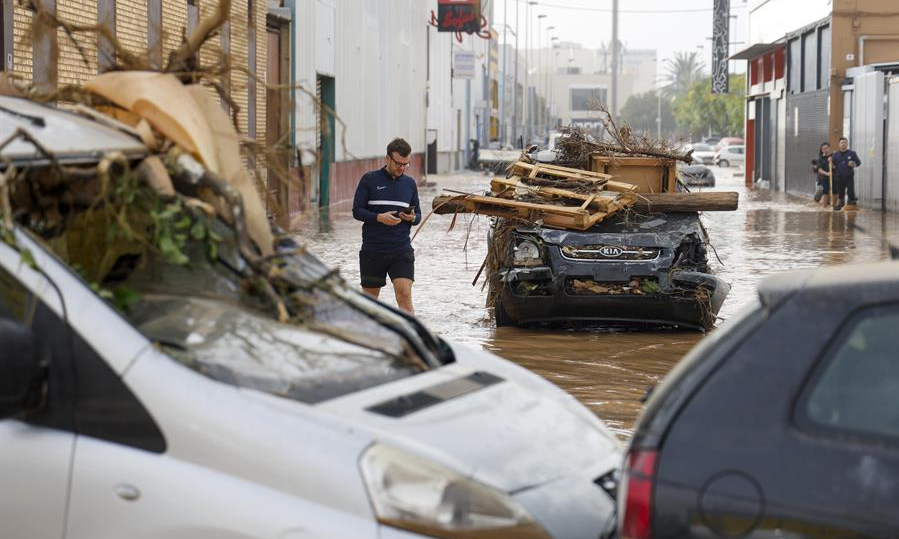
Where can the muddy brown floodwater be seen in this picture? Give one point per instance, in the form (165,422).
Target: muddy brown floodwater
(608,371)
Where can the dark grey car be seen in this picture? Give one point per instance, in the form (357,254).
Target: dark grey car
(782,423)
(628,270)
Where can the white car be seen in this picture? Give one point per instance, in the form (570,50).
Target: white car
(192,415)
(703,154)
(730,155)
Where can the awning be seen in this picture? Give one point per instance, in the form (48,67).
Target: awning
(757,49)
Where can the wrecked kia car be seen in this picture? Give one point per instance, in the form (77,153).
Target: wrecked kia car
(161,364)
(628,270)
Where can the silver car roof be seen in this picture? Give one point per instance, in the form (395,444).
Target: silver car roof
(70,137)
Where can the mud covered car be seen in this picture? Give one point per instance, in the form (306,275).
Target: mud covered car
(628,270)
(159,370)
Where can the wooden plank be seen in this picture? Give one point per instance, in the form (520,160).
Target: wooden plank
(687,202)
(549,208)
(561,172)
(558,168)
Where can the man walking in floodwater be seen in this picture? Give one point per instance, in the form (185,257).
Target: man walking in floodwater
(844,163)
(386,202)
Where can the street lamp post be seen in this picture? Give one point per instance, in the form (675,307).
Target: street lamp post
(503,108)
(546,77)
(539,63)
(527,62)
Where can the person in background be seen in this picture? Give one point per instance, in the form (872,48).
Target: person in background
(386,202)
(845,161)
(822,169)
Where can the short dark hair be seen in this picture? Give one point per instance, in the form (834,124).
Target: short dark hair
(399,146)
(842,139)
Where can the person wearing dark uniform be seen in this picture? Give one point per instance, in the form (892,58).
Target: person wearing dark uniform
(822,168)
(844,163)
(386,202)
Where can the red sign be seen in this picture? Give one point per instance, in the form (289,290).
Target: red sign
(459,16)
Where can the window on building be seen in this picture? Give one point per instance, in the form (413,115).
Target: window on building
(587,98)
(193,15)
(809,61)
(794,63)
(106,57)
(824,57)
(154,32)
(856,388)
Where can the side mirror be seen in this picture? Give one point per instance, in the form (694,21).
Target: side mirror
(23,373)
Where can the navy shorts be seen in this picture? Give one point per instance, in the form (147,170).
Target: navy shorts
(375,267)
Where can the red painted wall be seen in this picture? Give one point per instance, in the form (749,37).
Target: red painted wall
(345,175)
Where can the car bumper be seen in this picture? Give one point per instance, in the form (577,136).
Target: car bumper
(557,305)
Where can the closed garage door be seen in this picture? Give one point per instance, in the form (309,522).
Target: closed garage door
(806,129)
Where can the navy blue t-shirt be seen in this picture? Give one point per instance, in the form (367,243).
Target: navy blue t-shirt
(841,168)
(379,192)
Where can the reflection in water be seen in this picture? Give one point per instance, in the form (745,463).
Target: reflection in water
(607,371)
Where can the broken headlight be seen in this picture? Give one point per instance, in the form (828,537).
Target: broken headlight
(526,253)
(415,494)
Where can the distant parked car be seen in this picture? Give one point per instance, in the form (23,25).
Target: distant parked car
(782,423)
(730,155)
(703,154)
(711,140)
(696,175)
(729,141)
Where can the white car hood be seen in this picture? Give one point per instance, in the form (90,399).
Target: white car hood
(513,434)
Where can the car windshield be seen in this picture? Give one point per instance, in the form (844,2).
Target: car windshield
(204,316)
(243,348)
(702,148)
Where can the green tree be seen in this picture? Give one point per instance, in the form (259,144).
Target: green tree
(701,111)
(682,71)
(640,112)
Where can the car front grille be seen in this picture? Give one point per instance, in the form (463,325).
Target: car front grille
(610,253)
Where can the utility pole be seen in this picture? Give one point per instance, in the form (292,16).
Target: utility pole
(614,101)
(527,66)
(502,82)
(515,84)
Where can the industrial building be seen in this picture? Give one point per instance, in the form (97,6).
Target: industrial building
(818,71)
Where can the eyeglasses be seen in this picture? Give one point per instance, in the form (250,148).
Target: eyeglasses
(398,163)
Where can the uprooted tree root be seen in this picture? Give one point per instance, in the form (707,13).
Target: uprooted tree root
(575,148)
(186,64)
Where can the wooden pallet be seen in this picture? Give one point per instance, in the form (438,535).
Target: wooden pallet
(567,217)
(604,201)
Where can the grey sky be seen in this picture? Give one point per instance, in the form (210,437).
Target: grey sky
(665,25)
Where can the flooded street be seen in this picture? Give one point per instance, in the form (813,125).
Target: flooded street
(607,371)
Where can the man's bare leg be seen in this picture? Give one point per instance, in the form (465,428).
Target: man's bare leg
(373,292)
(403,289)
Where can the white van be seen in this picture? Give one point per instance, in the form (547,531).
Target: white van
(194,415)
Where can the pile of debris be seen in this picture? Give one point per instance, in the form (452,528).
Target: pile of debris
(570,198)
(548,195)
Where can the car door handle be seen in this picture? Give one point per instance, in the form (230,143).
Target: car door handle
(127,492)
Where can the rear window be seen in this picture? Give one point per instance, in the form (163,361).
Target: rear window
(855,389)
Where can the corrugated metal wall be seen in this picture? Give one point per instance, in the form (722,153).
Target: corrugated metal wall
(806,128)
(891,196)
(867,138)
(377,54)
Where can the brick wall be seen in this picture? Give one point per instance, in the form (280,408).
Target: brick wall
(131,31)
(71,67)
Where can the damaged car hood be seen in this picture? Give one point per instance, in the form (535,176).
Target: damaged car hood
(663,230)
(496,425)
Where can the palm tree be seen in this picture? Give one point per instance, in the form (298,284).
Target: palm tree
(682,71)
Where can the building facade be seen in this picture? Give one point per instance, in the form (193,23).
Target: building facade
(817,72)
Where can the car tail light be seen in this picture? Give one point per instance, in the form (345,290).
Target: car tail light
(634,521)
